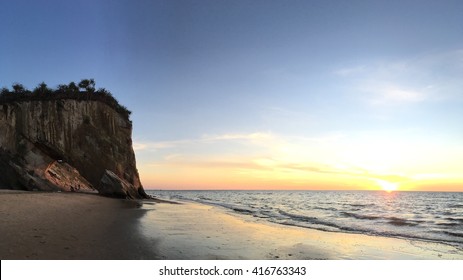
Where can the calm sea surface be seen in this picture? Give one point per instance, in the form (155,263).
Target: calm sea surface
(431,216)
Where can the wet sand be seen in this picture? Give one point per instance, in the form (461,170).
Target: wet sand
(85,226)
(36,225)
(197,231)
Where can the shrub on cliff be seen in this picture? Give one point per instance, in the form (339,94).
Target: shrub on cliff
(84,91)
(87,85)
(19,88)
(42,88)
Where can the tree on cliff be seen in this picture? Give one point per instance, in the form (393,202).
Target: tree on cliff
(42,88)
(4,91)
(63,91)
(18,88)
(62,88)
(72,87)
(87,85)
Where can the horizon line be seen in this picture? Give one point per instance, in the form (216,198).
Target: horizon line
(316,190)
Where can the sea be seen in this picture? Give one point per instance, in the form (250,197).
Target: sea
(424,216)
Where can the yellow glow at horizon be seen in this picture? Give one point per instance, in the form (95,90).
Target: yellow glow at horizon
(231,178)
(191,176)
(388,186)
(370,162)
(267,174)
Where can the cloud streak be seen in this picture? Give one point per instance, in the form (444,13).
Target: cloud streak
(257,136)
(423,78)
(160,145)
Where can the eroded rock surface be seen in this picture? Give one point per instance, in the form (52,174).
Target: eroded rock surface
(67,145)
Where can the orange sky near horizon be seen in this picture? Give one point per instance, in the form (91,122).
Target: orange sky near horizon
(265,161)
(220,181)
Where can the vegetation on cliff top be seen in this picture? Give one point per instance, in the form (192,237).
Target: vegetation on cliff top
(83,91)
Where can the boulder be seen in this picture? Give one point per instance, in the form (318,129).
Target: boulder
(112,185)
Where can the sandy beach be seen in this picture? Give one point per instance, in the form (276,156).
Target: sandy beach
(84,226)
(37,225)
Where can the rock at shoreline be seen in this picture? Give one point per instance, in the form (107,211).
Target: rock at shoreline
(67,178)
(112,185)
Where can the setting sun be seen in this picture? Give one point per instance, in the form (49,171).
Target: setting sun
(388,186)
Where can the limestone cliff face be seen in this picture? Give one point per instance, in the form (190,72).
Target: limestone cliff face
(66,145)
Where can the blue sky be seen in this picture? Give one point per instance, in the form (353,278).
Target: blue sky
(261,93)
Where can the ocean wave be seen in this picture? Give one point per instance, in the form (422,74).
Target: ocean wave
(311,220)
(361,205)
(448,224)
(325,208)
(459,220)
(310,226)
(400,222)
(456,234)
(455,206)
(240,210)
(361,217)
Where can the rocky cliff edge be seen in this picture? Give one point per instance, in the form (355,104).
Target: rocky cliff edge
(67,145)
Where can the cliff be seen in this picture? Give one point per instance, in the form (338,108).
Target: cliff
(69,145)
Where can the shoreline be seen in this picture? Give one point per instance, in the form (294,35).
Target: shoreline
(193,230)
(54,226)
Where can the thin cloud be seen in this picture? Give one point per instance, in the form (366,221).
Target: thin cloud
(348,171)
(137,146)
(397,94)
(160,145)
(150,146)
(392,94)
(423,78)
(274,166)
(231,136)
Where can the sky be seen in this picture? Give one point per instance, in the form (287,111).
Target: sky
(262,94)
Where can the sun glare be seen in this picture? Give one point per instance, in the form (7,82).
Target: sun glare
(387,186)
